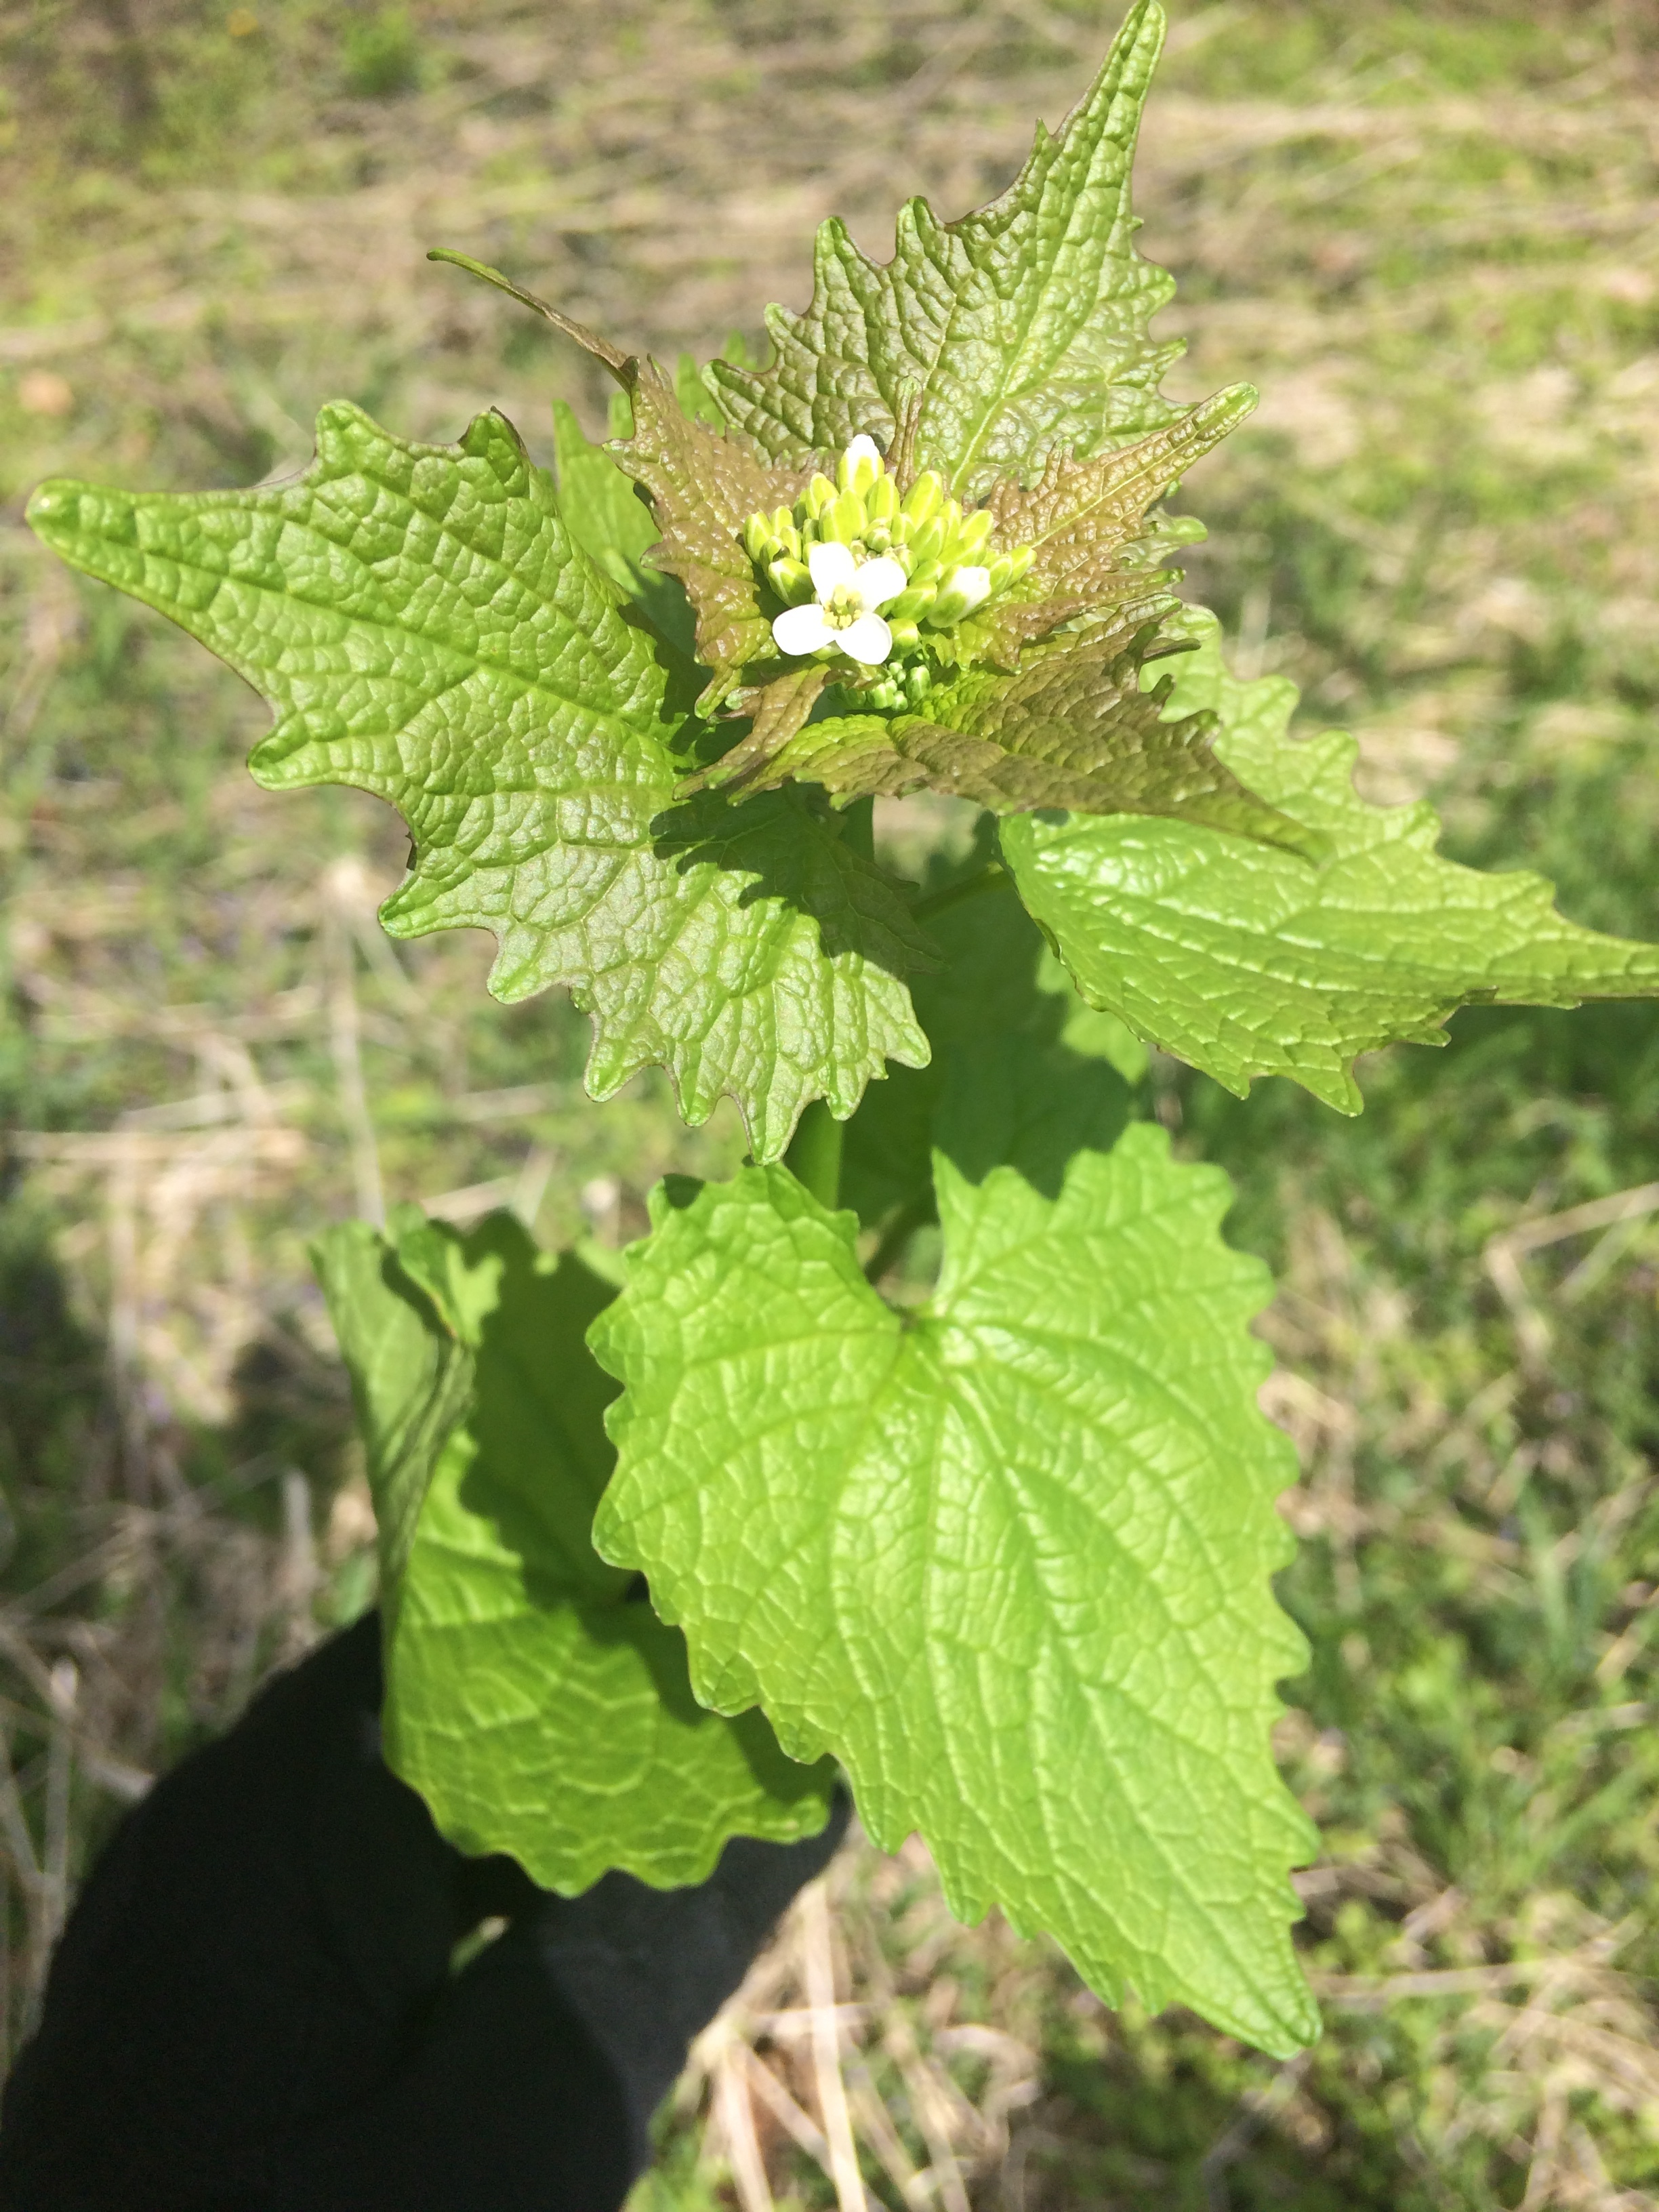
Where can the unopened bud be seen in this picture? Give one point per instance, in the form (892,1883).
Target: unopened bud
(1008,567)
(791,580)
(975,535)
(905,635)
(913,601)
(859,465)
(757,537)
(818,494)
(881,499)
(927,539)
(925,497)
(962,590)
(846,519)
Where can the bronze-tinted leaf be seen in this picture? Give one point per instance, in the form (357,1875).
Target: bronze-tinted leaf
(779,709)
(1073,729)
(703,486)
(1085,524)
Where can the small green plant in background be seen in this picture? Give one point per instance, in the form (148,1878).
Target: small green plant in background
(996,1537)
(380,55)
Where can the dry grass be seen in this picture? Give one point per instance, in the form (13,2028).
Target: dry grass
(1438,261)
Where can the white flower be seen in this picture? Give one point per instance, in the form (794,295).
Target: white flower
(843,611)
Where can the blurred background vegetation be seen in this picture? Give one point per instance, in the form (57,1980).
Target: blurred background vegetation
(1430,236)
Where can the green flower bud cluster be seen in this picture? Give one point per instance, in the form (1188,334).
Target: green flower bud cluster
(941,550)
(901,685)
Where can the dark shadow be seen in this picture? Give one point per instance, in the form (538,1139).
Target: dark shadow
(544,1456)
(59,1439)
(790,844)
(293,1407)
(135,1547)
(543,1460)
(1004,1087)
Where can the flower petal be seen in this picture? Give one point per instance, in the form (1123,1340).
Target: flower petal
(803,629)
(832,563)
(868,640)
(878,581)
(865,448)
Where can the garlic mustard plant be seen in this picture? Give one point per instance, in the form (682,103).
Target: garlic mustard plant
(997,1546)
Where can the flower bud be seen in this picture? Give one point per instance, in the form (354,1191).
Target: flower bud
(975,535)
(962,590)
(859,465)
(927,542)
(881,499)
(925,497)
(845,520)
(905,635)
(910,603)
(818,494)
(791,580)
(918,681)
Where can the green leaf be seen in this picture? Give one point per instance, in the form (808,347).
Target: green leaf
(428,631)
(1022,1073)
(1008,1558)
(614,528)
(1073,728)
(1247,961)
(411,1381)
(693,394)
(1018,331)
(536,1702)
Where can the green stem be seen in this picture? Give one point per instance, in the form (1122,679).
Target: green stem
(589,341)
(990,878)
(814,1154)
(896,1235)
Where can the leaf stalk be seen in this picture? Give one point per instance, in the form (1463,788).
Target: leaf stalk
(589,341)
